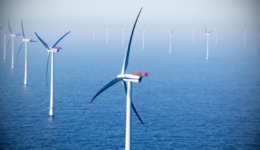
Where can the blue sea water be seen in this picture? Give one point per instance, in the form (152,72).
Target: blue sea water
(186,102)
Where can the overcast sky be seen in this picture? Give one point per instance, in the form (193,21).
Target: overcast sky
(181,11)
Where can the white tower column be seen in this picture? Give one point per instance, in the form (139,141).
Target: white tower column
(25,65)
(193,36)
(216,36)
(51,92)
(94,34)
(170,43)
(4,45)
(244,38)
(128,116)
(207,47)
(123,38)
(143,39)
(106,35)
(12,52)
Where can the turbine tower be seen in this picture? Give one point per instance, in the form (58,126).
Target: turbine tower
(25,40)
(244,36)
(170,32)
(4,39)
(94,33)
(51,50)
(106,34)
(13,36)
(129,78)
(143,30)
(216,29)
(123,30)
(193,34)
(207,34)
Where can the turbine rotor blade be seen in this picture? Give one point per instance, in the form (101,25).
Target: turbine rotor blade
(114,81)
(9,27)
(8,43)
(174,29)
(132,104)
(129,45)
(46,45)
(22,28)
(145,22)
(2,26)
(136,112)
(59,40)
(47,68)
(19,51)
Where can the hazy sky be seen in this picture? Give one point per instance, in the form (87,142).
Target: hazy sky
(181,11)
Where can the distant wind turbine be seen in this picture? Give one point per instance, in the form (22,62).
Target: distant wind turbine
(4,39)
(129,78)
(170,32)
(13,36)
(106,34)
(259,40)
(94,33)
(193,34)
(207,34)
(143,30)
(123,30)
(216,29)
(244,36)
(25,40)
(51,50)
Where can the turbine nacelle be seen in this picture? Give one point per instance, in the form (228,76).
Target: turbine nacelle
(14,35)
(27,40)
(135,77)
(208,34)
(55,49)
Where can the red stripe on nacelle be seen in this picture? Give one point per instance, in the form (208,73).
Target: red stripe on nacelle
(58,47)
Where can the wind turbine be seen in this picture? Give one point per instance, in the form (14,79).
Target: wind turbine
(94,33)
(244,36)
(4,39)
(170,32)
(25,40)
(106,34)
(216,29)
(207,34)
(13,36)
(143,30)
(259,39)
(129,78)
(51,50)
(123,30)
(193,34)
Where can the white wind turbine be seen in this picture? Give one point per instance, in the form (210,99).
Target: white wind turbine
(216,29)
(4,39)
(170,32)
(106,34)
(143,30)
(193,34)
(244,36)
(25,40)
(129,78)
(13,36)
(207,34)
(51,50)
(123,30)
(94,33)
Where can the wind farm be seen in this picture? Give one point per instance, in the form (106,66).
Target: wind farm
(74,101)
